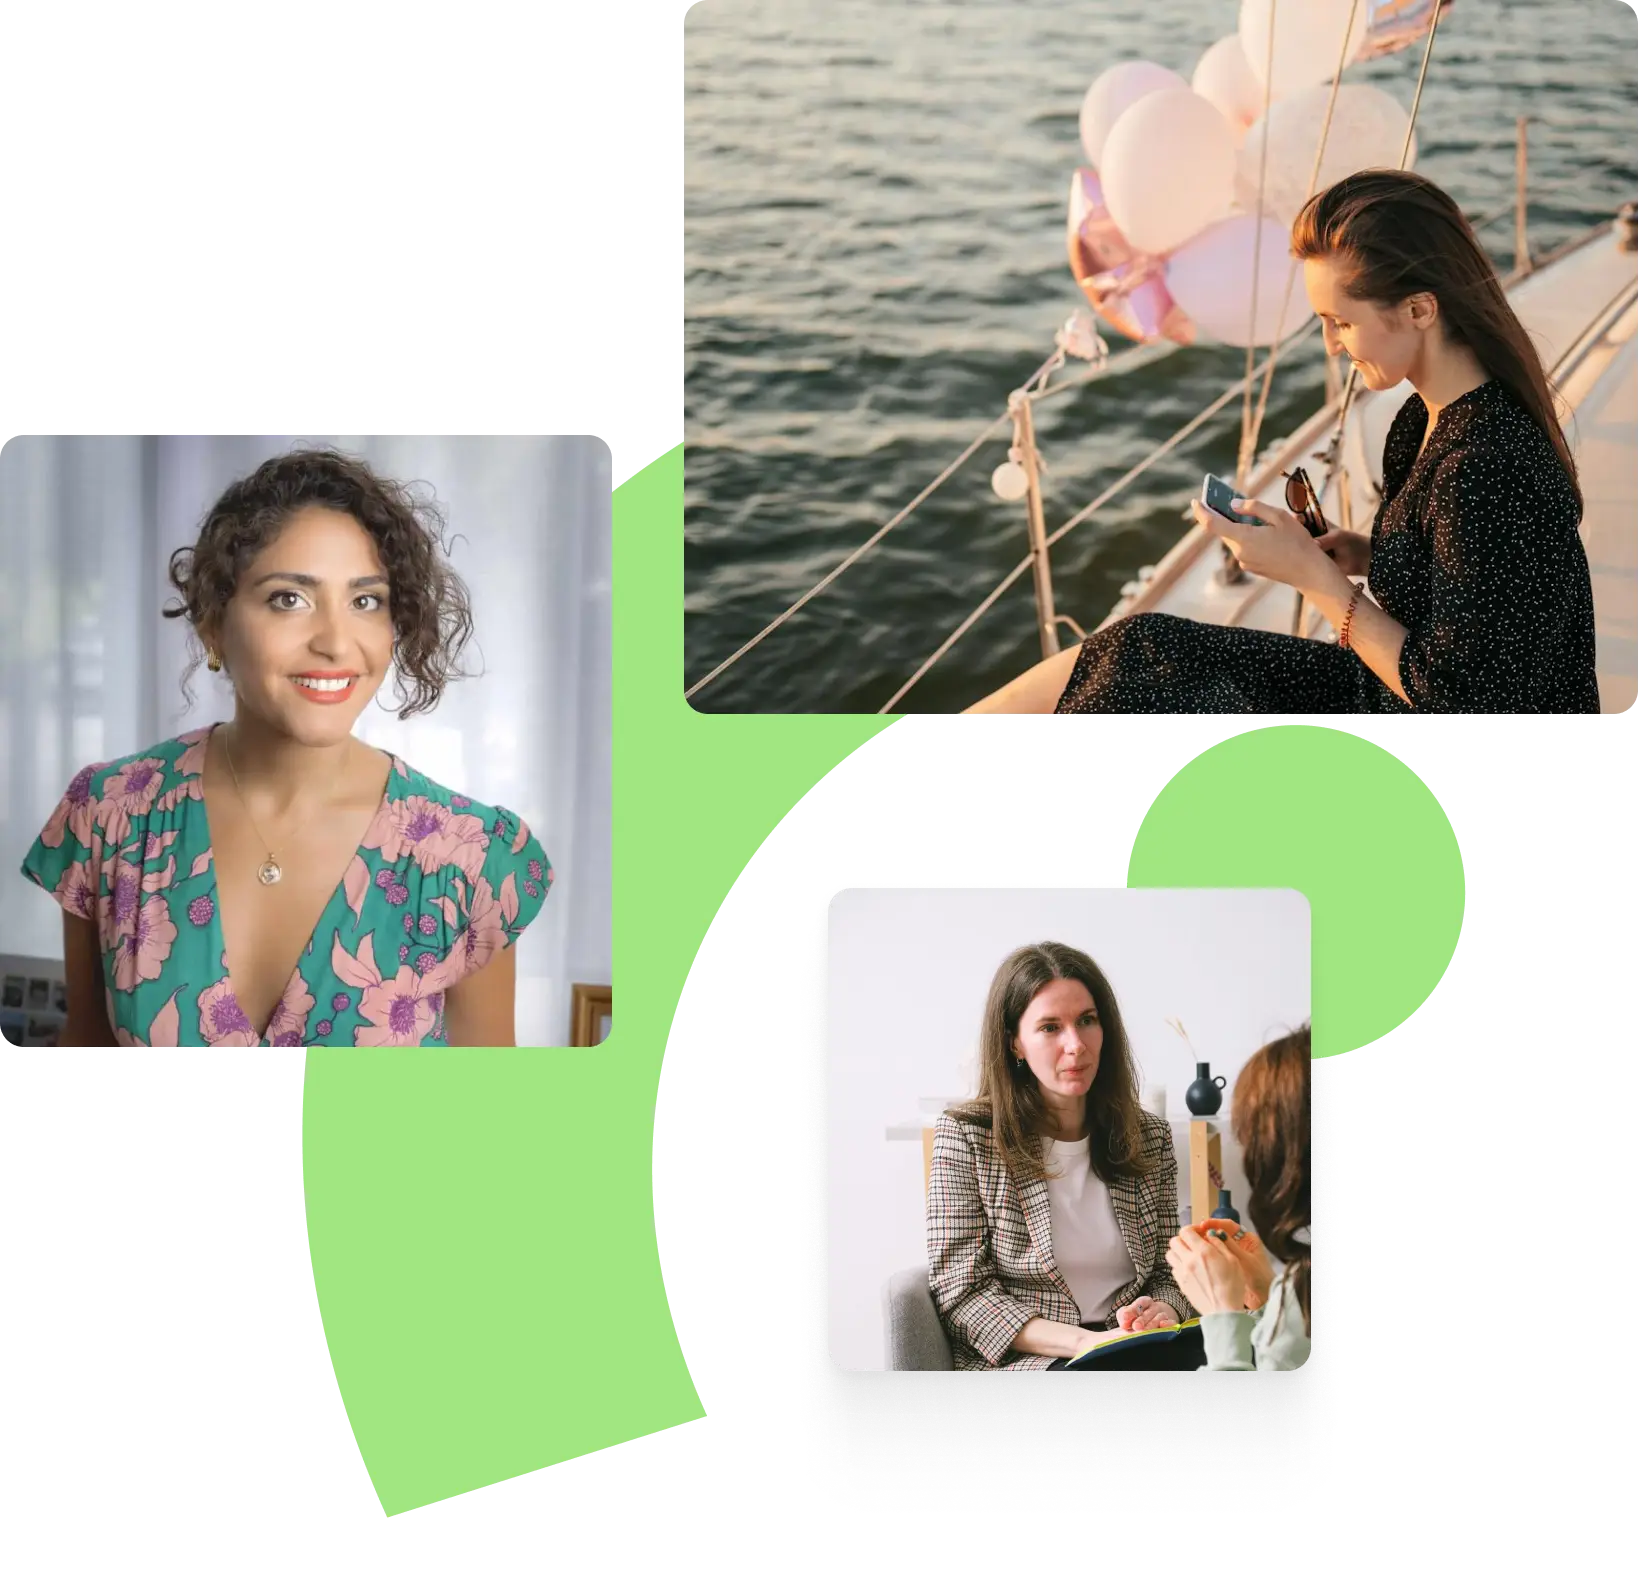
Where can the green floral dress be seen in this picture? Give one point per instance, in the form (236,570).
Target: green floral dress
(439,884)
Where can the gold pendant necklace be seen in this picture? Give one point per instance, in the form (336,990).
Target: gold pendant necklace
(270,872)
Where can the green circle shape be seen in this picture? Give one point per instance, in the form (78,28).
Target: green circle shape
(1353,829)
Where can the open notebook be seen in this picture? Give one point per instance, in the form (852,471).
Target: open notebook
(1128,1340)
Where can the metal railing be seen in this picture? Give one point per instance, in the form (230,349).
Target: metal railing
(1019,412)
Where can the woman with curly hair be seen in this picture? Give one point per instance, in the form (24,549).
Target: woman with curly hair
(274,880)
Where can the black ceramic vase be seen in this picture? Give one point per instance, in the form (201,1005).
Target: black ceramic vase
(1225,1209)
(1202,1096)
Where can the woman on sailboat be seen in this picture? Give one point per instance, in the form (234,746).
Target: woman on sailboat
(1477,591)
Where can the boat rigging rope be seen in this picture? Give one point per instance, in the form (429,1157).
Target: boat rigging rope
(1259,231)
(1250,428)
(1407,148)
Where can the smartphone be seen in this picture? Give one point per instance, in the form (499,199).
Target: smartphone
(1217,494)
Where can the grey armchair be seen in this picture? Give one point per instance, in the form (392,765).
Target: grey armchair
(913,1338)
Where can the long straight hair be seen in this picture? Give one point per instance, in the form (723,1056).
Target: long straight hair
(1271,1118)
(1011,1100)
(1399,234)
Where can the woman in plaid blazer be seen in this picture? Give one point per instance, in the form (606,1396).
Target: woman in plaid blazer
(1055,1073)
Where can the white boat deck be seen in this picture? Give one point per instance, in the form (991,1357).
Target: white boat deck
(1559,305)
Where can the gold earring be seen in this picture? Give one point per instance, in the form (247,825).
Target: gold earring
(213,661)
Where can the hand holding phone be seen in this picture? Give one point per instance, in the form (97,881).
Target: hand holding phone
(1218,495)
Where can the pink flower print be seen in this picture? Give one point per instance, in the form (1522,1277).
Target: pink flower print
(322,1029)
(221,1021)
(485,932)
(535,869)
(531,889)
(77,812)
(339,1003)
(384,878)
(76,892)
(396,894)
(116,915)
(410,922)
(428,831)
(429,924)
(190,789)
(290,1018)
(201,910)
(400,1013)
(142,952)
(192,759)
(129,794)
(426,961)
(162,1030)
(404,953)
(458,801)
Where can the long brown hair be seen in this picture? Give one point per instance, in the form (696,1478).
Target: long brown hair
(1271,1118)
(1010,1099)
(1399,234)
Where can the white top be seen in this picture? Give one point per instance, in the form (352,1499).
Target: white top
(1089,1248)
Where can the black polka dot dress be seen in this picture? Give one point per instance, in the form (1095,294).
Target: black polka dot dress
(1475,552)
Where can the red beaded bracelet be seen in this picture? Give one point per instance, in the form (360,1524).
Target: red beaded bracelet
(1350,611)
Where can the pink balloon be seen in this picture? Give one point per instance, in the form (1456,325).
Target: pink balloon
(1125,288)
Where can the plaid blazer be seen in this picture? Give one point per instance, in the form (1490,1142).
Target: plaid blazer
(991,1247)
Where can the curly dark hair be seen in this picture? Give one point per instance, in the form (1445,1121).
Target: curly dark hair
(432,616)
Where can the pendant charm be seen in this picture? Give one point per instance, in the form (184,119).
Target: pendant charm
(269,872)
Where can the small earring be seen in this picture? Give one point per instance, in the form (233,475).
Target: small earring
(213,661)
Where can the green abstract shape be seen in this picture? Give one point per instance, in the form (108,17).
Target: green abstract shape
(1323,812)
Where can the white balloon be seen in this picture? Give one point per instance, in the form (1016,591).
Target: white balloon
(1224,77)
(1211,279)
(1009,481)
(1309,34)
(1170,169)
(1114,91)
(1367,132)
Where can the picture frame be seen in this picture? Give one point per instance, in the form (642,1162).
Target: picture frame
(592,1014)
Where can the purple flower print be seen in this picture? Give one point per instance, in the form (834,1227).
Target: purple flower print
(129,794)
(397,894)
(340,1003)
(535,869)
(428,831)
(531,888)
(200,910)
(384,878)
(221,1021)
(400,1015)
(499,828)
(404,953)
(143,949)
(426,961)
(76,892)
(410,922)
(322,1029)
(287,1040)
(77,811)
(429,924)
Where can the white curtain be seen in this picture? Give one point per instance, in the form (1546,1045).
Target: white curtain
(90,668)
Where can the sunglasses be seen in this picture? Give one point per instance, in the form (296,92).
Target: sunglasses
(1301,498)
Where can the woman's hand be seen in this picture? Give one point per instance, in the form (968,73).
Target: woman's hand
(1351,551)
(1279,548)
(1146,1314)
(1208,1272)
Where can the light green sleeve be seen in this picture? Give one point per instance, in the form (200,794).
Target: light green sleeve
(1228,1337)
(1274,1340)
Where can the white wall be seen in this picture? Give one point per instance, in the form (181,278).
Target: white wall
(908,975)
